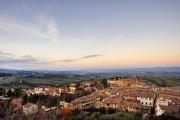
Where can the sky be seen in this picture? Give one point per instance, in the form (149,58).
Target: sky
(89,34)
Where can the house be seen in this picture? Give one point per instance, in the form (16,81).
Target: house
(89,83)
(52,91)
(161,105)
(38,90)
(16,102)
(166,104)
(146,99)
(169,94)
(99,85)
(122,104)
(132,105)
(46,109)
(73,88)
(112,102)
(30,108)
(65,105)
(30,92)
(86,102)
(112,90)
(141,85)
(44,112)
(160,109)
(172,109)
(121,82)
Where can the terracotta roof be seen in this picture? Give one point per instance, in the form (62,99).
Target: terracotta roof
(113,100)
(169,92)
(133,100)
(163,107)
(16,101)
(87,98)
(132,103)
(173,108)
(149,94)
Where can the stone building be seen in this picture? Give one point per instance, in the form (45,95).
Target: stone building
(122,82)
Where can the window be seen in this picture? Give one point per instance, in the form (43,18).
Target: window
(142,102)
(107,104)
(150,103)
(146,103)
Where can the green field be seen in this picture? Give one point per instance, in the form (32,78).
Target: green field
(60,80)
(162,80)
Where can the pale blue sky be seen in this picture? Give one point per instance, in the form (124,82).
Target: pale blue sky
(60,34)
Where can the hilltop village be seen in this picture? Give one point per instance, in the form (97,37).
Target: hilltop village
(120,94)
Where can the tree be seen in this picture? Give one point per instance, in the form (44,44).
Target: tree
(9,93)
(97,115)
(111,110)
(138,116)
(25,99)
(102,110)
(17,92)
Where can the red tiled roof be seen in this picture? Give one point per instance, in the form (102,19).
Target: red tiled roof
(16,101)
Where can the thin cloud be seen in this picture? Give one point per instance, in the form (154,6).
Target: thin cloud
(81,58)
(27,28)
(28,60)
(21,60)
(50,26)
(91,56)
(44,28)
(52,31)
(68,60)
(6,54)
(8,58)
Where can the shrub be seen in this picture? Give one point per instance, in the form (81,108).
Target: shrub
(111,110)
(102,110)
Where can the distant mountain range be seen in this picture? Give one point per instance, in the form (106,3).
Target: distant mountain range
(153,70)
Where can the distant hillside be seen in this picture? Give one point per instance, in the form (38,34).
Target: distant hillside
(88,71)
(168,76)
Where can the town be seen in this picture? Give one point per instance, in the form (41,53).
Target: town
(117,94)
(89,59)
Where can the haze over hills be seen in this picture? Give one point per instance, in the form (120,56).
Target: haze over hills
(162,76)
(84,71)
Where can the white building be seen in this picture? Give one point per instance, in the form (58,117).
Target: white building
(73,88)
(161,105)
(146,99)
(160,109)
(38,90)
